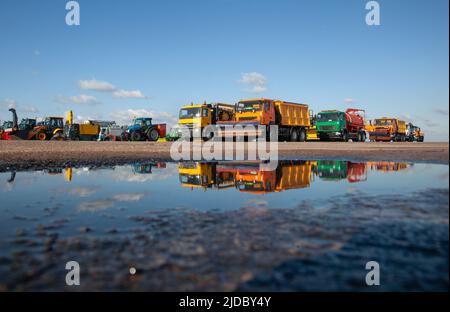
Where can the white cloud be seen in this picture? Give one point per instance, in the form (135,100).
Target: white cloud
(255,81)
(126,174)
(78,99)
(96,85)
(441,111)
(128,197)
(133,94)
(95,205)
(30,110)
(126,116)
(349,101)
(8,103)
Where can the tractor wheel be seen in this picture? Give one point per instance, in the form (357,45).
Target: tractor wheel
(41,136)
(57,137)
(294,135)
(135,136)
(153,135)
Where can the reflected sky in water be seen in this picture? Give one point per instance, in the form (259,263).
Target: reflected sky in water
(105,197)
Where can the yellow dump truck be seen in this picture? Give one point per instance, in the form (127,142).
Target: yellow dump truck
(293,119)
(198,116)
(387,129)
(83,132)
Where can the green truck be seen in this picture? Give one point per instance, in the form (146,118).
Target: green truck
(339,125)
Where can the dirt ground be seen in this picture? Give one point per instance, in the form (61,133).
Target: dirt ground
(35,154)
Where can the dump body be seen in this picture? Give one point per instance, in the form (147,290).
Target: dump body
(334,124)
(388,129)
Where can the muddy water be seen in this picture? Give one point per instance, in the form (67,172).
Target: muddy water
(307,225)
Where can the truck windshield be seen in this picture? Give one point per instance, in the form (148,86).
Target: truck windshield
(328,116)
(383,122)
(186,113)
(248,106)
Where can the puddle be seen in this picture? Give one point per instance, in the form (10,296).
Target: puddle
(308,225)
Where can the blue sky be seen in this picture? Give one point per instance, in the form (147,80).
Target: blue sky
(151,57)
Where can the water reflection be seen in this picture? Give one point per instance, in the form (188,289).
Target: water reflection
(289,174)
(226,226)
(247,176)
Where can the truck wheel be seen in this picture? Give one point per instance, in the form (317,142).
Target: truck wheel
(153,135)
(302,136)
(345,136)
(294,135)
(135,136)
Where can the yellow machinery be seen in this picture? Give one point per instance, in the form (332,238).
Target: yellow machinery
(198,116)
(84,132)
(387,129)
(196,175)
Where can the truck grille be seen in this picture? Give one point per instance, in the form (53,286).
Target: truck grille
(327,128)
(247,118)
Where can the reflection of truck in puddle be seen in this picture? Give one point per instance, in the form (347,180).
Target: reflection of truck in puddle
(336,170)
(246,177)
(388,166)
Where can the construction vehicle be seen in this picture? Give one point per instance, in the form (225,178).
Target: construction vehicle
(51,128)
(80,132)
(142,129)
(387,129)
(414,133)
(337,170)
(334,124)
(388,166)
(246,176)
(25,130)
(293,119)
(197,174)
(196,117)
(288,175)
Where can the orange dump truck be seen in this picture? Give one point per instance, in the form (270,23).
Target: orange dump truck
(246,177)
(387,129)
(293,119)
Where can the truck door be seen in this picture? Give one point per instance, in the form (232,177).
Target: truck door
(268,113)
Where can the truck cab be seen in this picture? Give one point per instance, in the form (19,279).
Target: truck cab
(198,116)
(388,129)
(334,124)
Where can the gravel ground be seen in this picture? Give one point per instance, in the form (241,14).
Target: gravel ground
(249,249)
(35,154)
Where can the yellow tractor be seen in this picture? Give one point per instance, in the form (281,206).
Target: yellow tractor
(52,128)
